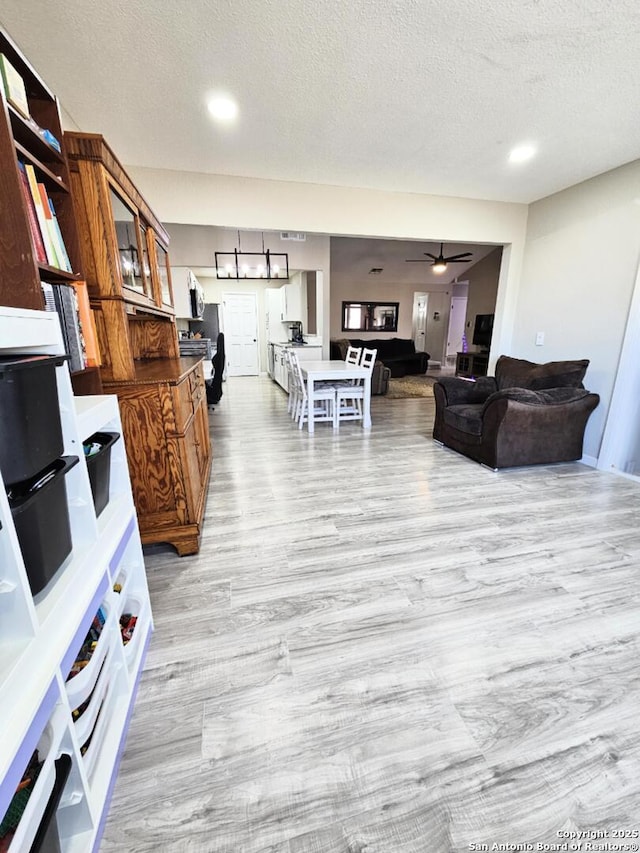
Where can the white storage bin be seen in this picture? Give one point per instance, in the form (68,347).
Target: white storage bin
(101,718)
(132,605)
(84,724)
(80,686)
(48,751)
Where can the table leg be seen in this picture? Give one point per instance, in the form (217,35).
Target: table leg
(366,420)
(310,403)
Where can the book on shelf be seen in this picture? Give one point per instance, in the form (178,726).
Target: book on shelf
(40,215)
(62,299)
(59,238)
(87,324)
(62,258)
(38,245)
(13,85)
(56,260)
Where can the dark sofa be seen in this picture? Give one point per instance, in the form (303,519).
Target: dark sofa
(398,354)
(528,414)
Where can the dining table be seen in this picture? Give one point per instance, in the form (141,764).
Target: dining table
(327,371)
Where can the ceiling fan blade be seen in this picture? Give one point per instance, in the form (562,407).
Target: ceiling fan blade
(429,255)
(458,260)
(457,257)
(414,261)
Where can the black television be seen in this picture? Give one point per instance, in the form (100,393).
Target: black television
(483,330)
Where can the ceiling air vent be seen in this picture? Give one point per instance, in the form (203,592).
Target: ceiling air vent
(293,235)
(375,270)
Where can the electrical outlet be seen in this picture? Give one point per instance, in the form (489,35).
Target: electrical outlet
(539,339)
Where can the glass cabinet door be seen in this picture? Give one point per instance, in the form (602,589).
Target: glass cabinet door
(133,257)
(163,275)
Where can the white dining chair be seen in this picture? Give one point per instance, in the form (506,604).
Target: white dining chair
(324,402)
(349,398)
(292,403)
(353,355)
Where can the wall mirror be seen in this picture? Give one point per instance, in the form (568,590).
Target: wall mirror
(370,316)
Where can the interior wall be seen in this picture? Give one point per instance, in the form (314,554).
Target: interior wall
(579,269)
(438,323)
(483,290)
(347,290)
(202,199)
(196,245)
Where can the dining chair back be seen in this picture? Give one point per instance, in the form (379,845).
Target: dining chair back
(353,355)
(349,398)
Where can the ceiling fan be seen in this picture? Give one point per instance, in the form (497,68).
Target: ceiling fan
(439,264)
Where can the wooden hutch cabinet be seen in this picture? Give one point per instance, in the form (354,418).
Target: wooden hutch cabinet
(162,396)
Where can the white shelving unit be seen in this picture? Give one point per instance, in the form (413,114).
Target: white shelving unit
(40,636)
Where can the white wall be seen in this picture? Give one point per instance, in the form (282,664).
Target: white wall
(579,270)
(201,199)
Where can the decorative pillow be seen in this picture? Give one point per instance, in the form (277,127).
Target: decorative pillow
(459,391)
(519,373)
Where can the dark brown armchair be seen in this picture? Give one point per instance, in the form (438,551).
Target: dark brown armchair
(528,414)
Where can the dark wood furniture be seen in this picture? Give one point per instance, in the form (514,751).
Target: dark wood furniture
(162,397)
(471,364)
(21,274)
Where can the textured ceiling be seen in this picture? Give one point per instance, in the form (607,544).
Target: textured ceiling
(413,95)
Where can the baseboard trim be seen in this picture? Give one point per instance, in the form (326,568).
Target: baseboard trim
(590,460)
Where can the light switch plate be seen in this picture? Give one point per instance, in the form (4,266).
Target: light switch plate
(539,339)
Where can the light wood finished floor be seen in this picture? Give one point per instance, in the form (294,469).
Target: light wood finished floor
(384,648)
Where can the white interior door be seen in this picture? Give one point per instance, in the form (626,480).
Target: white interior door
(420,301)
(241,333)
(457,319)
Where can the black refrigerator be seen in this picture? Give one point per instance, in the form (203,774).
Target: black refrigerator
(209,326)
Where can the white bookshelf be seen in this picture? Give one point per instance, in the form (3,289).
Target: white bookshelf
(40,636)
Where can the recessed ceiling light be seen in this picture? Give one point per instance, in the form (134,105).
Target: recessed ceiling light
(223,108)
(522,153)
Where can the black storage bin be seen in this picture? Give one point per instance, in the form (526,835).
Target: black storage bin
(30,429)
(47,839)
(41,518)
(99,467)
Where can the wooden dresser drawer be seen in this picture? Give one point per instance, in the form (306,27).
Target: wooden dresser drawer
(182,395)
(187,397)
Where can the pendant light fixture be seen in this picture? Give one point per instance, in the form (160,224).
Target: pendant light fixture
(263,265)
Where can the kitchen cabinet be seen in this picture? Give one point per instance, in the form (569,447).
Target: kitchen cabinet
(279,369)
(184,281)
(40,636)
(305,353)
(294,300)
